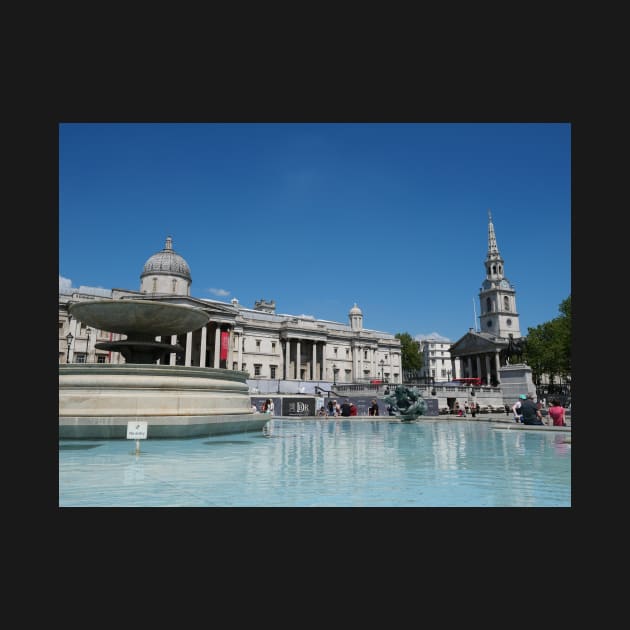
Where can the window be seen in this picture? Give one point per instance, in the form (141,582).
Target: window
(335,351)
(257,369)
(273,369)
(80,358)
(506,303)
(365,353)
(273,347)
(258,344)
(488,305)
(154,288)
(235,365)
(244,367)
(101,358)
(174,290)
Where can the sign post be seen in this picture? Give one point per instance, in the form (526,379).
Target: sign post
(137,430)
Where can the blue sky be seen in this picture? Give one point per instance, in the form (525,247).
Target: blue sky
(318,216)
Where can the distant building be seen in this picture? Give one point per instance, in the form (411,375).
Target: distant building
(479,352)
(436,359)
(256,340)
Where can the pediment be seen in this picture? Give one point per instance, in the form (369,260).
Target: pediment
(476,343)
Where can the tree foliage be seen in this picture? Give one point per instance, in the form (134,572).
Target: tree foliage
(548,349)
(410,352)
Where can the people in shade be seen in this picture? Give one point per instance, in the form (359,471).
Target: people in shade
(373,408)
(354,410)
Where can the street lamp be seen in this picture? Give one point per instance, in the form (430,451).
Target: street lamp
(382,364)
(335,370)
(69,338)
(87,344)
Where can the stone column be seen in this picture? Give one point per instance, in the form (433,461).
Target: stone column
(230,350)
(240,351)
(488,369)
(287,359)
(497,364)
(202,347)
(324,365)
(159,339)
(173,355)
(217,346)
(298,359)
(314,362)
(187,360)
(478,361)
(468,367)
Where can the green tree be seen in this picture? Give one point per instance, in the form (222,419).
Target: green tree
(410,352)
(548,348)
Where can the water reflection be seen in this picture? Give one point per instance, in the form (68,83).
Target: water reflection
(329,462)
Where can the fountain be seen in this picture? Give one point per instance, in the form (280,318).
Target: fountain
(97,400)
(406,403)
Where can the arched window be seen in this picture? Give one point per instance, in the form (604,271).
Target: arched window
(174,285)
(488,305)
(154,288)
(506,303)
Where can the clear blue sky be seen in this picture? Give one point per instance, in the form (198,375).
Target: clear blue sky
(318,216)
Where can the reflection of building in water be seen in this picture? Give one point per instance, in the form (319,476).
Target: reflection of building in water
(257,340)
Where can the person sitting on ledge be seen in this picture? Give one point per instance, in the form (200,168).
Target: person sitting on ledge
(530,412)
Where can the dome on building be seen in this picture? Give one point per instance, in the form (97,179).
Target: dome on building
(355,310)
(167,262)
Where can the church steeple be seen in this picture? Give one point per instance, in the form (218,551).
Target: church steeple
(497,297)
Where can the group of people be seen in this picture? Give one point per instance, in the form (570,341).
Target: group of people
(347,408)
(471,407)
(526,411)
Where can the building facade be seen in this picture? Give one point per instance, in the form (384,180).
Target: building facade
(437,363)
(480,352)
(257,340)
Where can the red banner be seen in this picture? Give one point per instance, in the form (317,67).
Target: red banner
(225,340)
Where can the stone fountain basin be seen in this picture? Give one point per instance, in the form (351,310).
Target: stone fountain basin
(144,317)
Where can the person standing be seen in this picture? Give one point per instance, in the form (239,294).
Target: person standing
(473,409)
(269,406)
(530,412)
(331,407)
(373,409)
(345,409)
(354,410)
(556,413)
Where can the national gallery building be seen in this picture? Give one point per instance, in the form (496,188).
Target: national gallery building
(256,340)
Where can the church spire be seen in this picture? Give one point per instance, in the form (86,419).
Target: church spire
(493,248)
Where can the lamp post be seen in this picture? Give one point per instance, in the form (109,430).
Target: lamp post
(335,370)
(87,345)
(382,364)
(69,338)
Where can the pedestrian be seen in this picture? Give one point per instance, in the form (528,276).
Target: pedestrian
(331,407)
(473,409)
(345,409)
(354,410)
(321,411)
(337,409)
(269,406)
(556,413)
(516,408)
(507,409)
(466,409)
(373,409)
(529,411)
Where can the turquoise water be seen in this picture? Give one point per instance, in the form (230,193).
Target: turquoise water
(325,463)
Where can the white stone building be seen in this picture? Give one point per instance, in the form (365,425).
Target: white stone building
(266,344)
(436,359)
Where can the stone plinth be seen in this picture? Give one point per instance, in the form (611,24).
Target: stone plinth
(515,380)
